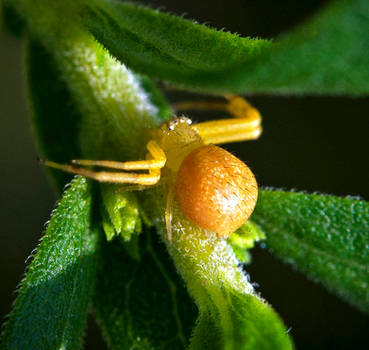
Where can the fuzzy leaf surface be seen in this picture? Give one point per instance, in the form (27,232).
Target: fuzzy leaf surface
(142,304)
(231,314)
(51,308)
(326,237)
(326,55)
(54,116)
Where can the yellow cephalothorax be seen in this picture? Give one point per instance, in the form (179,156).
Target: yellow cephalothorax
(214,189)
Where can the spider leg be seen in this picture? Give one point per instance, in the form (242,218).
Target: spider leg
(245,126)
(158,161)
(108,176)
(152,165)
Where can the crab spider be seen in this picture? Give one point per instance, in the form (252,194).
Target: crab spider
(214,189)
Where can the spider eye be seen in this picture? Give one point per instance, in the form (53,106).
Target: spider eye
(185,120)
(172,124)
(216,190)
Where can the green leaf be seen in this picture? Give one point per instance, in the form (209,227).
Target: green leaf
(54,116)
(250,324)
(142,305)
(156,97)
(162,45)
(115,110)
(57,118)
(325,237)
(326,55)
(53,300)
(231,314)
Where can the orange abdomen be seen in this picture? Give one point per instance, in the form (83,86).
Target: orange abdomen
(216,190)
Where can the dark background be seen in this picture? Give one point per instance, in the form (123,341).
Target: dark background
(309,143)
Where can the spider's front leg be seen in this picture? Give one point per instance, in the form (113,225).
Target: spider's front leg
(122,177)
(245,126)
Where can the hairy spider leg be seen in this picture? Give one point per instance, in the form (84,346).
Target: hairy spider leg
(158,161)
(153,165)
(245,126)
